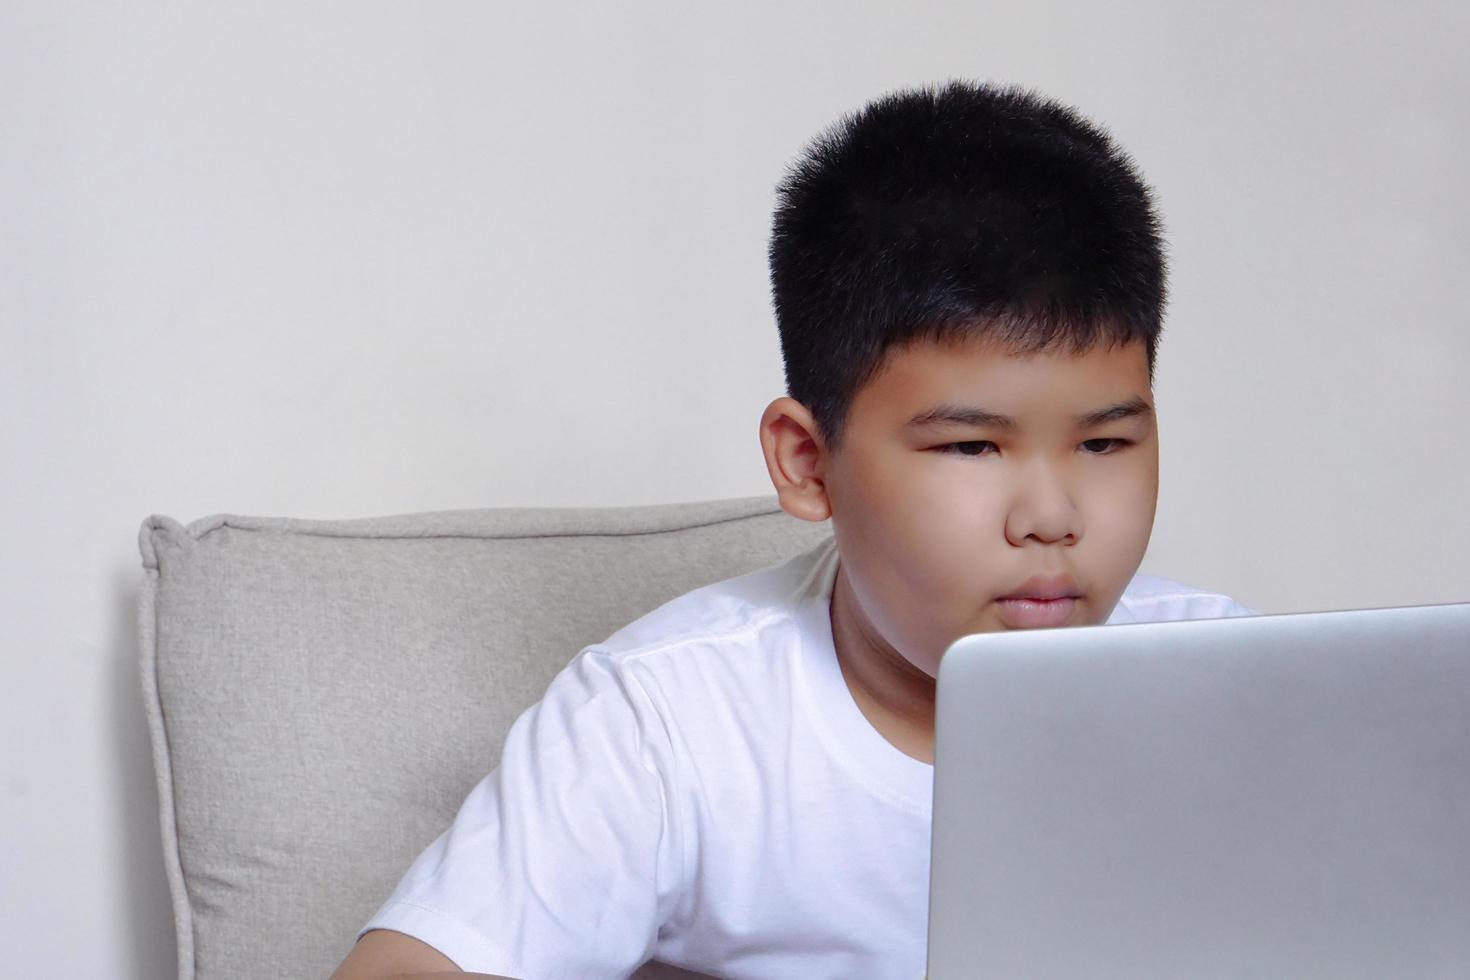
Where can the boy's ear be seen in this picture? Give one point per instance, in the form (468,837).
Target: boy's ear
(796,459)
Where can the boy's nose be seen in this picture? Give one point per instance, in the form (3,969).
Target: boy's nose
(1043,510)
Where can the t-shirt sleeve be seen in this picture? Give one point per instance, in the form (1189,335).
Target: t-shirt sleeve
(1233,608)
(560,861)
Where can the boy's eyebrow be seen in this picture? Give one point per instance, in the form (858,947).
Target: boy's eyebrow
(958,415)
(1134,407)
(979,417)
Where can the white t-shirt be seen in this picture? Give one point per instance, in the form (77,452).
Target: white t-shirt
(701,789)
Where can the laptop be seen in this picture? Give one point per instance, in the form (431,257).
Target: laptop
(1266,797)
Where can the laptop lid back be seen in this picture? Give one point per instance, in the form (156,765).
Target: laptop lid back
(1272,796)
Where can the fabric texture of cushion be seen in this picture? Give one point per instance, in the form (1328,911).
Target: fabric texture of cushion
(322,694)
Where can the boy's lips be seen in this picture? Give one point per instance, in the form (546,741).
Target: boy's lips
(1039,601)
(1046,587)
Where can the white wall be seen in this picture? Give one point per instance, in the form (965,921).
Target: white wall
(339,260)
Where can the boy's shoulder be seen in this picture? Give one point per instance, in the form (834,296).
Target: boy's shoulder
(733,641)
(1151,599)
(726,611)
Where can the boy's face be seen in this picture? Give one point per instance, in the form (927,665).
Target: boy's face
(967,474)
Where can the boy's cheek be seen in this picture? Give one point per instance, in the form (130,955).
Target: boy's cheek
(1124,511)
(1125,497)
(1119,540)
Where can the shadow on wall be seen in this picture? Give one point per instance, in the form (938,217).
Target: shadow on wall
(151,951)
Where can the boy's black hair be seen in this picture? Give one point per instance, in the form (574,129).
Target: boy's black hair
(966,210)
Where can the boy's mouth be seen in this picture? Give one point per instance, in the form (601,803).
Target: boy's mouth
(1040,601)
(1028,613)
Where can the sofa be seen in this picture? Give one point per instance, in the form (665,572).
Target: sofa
(322,694)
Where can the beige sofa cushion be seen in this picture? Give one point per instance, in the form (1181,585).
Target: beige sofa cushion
(323,694)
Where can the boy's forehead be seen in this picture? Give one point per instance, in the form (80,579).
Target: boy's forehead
(976,371)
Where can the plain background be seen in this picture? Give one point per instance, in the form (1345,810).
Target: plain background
(340,260)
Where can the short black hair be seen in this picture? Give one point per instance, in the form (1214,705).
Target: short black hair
(957,211)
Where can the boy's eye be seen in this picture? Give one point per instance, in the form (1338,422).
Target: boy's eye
(973,448)
(1104,447)
(979,447)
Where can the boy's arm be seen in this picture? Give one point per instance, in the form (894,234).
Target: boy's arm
(382,954)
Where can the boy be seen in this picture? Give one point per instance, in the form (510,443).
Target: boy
(969,285)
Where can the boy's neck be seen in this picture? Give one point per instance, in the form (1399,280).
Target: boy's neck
(896,697)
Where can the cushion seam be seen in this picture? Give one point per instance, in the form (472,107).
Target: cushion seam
(164,781)
(228,521)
